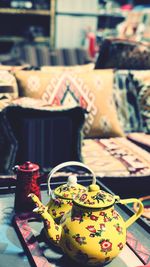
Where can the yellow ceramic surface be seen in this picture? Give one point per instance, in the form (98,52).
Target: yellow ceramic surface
(93,236)
(92,232)
(61,198)
(94,198)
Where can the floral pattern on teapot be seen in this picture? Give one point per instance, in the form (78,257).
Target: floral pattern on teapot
(58,206)
(61,197)
(107,231)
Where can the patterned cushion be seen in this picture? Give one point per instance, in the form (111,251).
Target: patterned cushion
(126,100)
(95,93)
(28,102)
(142,80)
(121,165)
(47,136)
(92,90)
(8,85)
(141,139)
(32,83)
(115,157)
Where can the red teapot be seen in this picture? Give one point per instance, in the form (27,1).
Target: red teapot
(26,182)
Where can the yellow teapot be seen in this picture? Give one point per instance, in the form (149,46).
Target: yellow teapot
(92,232)
(61,198)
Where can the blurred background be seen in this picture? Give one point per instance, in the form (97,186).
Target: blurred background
(54,32)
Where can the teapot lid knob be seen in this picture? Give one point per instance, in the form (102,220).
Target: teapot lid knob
(72,180)
(94,187)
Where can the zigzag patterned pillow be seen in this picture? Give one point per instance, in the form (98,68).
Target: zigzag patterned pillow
(92,90)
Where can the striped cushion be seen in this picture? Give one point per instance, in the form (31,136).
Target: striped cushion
(45,136)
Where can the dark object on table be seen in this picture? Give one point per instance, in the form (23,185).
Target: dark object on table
(123,54)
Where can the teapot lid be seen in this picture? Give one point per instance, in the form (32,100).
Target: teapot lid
(70,189)
(94,198)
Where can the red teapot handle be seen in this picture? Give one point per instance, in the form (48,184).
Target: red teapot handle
(66,164)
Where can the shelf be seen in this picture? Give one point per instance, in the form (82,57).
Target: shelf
(77,14)
(14,11)
(16,39)
(21,19)
(11,39)
(112,14)
(103,12)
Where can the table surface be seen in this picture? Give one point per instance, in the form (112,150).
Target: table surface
(12,250)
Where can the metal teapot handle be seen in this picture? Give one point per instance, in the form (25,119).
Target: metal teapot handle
(66,164)
(134,217)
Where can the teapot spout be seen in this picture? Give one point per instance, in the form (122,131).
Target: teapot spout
(35,199)
(52,229)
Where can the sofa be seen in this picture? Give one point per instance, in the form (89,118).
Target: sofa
(99,116)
